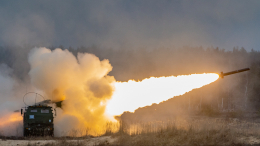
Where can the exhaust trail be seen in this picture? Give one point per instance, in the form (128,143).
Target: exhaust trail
(129,96)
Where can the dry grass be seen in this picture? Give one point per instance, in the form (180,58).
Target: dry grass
(206,131)
(173,136)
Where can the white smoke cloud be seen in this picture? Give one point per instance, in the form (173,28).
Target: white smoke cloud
(10,121)
(6,87)
(82,83)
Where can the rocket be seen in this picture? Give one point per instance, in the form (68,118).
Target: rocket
(233,72)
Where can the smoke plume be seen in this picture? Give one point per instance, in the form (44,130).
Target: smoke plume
(81,83)
(10,118)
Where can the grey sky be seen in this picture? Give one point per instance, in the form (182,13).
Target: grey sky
(131,23)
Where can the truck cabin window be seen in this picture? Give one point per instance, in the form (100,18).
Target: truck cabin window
(34,110)
(44,111)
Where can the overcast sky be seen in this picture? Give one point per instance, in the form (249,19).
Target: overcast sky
(131,23)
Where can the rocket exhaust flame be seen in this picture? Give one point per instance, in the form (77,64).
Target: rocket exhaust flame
(9,119)
(129,96)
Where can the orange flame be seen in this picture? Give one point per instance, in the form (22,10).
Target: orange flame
(129,96)
(9,119)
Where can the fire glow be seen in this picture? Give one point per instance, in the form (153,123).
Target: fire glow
(9,119)
(131,95)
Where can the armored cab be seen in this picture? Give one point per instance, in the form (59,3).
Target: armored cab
(38,121)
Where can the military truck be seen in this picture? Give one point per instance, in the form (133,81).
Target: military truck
(38,119)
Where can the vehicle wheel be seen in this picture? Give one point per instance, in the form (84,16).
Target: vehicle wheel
(25,133)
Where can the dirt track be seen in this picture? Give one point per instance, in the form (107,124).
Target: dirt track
(250,140)
(87,142)
(105,140)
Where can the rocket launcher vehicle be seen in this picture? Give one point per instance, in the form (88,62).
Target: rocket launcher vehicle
(233,72)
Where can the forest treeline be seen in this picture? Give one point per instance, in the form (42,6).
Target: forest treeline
(239,92)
